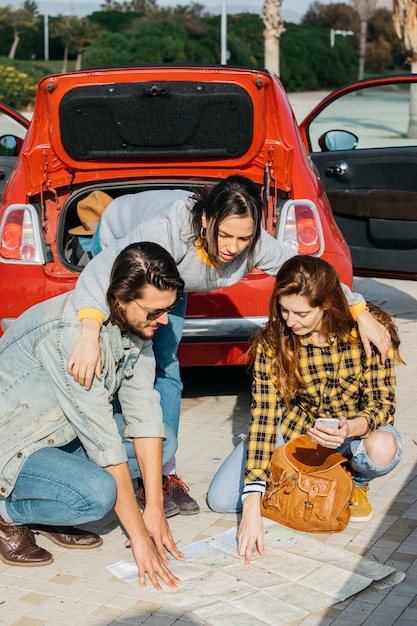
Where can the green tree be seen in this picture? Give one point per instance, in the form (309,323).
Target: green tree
(115,21)
(247,28)
(135,6)
(108,49)
(143,6)
(77,34)
(338,15)
(110,5)
(18,20)
(159,42)
(384,50)
(309,63)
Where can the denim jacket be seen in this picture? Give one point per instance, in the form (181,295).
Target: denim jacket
(41,405)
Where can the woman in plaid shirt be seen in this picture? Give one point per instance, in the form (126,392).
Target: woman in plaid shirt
(309,363)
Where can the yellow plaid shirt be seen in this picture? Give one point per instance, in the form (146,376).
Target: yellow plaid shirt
(339,381)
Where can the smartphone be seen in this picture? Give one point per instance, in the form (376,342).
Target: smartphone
(330,422)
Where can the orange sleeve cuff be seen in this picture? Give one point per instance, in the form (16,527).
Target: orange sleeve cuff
(94,314)
(355,309)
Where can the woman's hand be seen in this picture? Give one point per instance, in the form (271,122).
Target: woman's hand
(85,361)
(373,331)
(158,528)
(330,437)
(251,531)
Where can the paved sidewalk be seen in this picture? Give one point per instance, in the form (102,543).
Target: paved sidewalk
(78,589)
(304,102)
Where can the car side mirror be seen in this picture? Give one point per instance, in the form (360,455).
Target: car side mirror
(10,145)
(334,140)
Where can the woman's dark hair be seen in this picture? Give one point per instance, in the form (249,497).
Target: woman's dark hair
(317,281)
(138,265)
(235,195)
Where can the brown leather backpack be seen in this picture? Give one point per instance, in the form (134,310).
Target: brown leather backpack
(309,488)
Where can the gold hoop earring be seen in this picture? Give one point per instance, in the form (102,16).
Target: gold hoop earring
(203,232)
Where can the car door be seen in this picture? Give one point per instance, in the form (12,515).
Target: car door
(363,141)
(13,127)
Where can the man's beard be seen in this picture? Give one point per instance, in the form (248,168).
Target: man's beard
(138,333)
(132,330)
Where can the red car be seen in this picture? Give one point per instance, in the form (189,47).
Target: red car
(126,130)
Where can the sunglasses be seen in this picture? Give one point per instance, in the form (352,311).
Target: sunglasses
(153,315)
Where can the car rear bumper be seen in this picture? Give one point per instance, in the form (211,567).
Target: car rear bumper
(221,329)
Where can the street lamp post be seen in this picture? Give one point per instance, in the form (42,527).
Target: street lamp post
(334,32)
(46,36)
(223,34)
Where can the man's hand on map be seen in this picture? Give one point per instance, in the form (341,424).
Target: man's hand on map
(251,533)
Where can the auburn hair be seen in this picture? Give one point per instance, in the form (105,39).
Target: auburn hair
(317,281)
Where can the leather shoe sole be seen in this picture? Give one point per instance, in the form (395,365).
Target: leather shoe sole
(69,537)
(42,557)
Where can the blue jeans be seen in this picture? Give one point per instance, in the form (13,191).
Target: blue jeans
(363,469)
(61,487)
(225,491)
(95,241)
(168,378)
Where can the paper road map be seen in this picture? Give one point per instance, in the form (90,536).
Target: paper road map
(298,575)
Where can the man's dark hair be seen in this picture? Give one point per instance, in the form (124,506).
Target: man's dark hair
(138,265)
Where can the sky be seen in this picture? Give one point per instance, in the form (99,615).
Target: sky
(292,9)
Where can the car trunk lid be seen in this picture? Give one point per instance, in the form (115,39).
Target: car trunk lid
(146,122)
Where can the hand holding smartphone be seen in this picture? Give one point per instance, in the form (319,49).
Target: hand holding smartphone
(329,422)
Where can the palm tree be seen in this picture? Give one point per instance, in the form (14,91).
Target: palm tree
(274,27)
(365,10)
(405,23)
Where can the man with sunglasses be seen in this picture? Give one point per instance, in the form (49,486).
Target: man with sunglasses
(66,457)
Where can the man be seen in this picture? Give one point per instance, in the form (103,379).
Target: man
(64,457)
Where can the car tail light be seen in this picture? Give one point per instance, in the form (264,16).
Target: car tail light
(300,226)
(20,240)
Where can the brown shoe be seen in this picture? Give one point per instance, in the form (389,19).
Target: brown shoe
(18,546)
(177,491)
(69,537)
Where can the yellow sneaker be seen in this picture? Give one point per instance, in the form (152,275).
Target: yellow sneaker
(360,509)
